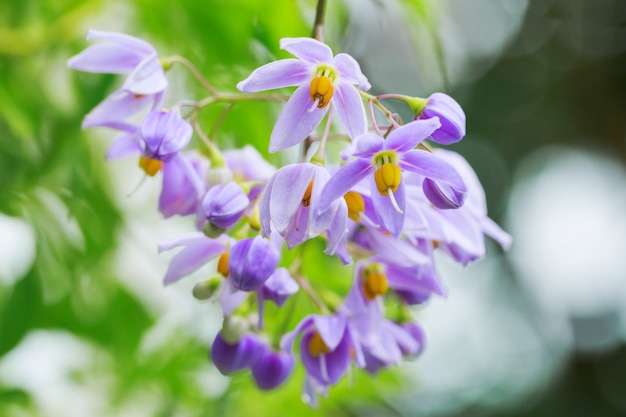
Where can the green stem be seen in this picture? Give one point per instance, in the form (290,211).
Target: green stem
(318,26)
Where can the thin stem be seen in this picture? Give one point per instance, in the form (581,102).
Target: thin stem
(220,119)
(388,114)
(373,117)
(294,271)
(318,26)
(196,73)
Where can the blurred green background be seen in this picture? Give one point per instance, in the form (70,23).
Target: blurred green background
(86,327)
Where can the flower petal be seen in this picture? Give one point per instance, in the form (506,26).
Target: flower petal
(231,298)
(264,208)
(331,329)
(350,71)
(106,58)
(295,122)
(494,231)
(350,110)
(430,166)
(125,144)
(148,77)
(387,214)
(307,49)
(411,134)
(118,106)
(123,39)
(290,184)
(344,179)
(191,258)
(367,145)
(277,74)
(450,114)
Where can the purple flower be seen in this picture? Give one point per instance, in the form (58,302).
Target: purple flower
(251,263)
(233,357)
(326,348)
(291,204)
(451,116)
(247,164)
(322,79)
(271,368)
(224,204)
(164,134)
(382,160)
(182,185)
(122,54)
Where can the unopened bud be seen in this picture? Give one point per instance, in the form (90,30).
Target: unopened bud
(204,290)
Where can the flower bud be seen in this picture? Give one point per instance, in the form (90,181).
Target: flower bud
(251,263)
(443,196)
(451,116)
(224,204)
(272,368)
(232,357)
(206,289)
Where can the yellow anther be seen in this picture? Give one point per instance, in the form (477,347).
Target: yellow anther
(222,264)
(374,282)
(387,178)
(356,205)
(321,90)
(306,198)
(150,166)
(255,218)
(317,346)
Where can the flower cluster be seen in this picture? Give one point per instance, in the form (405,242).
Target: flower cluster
(384,207)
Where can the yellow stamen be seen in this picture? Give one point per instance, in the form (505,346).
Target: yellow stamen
(387,177)
(321,90)
(317,346)
(222,264)
(374,282)
(150,166)
(356,205)
(306,198)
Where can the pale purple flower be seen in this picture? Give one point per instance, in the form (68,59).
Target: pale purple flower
(182,185)
(382,160)
(164,134)
(224,204)
(252,261)
(290,203)
(278,287)
(322,79)
(117,53)
(451,116)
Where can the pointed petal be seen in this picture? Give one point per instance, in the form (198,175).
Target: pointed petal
(277,74)
(367,145)
(337,230)
(350,110)
(430,166)
(123,39)
(331,329)
(387,214)
(182,240)
(343,180)
(307,49)
(191,258)
(125,144)
(264,208)
(286,343)
(231,298)
(350,71)
(118,106)
(147,78)
(290,184)
(295,122)
(108,58)
(411,134)
(494,231)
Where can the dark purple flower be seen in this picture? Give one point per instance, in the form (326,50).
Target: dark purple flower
(251,263)
(224,204)
(272,368)
(232,357)
(451,116)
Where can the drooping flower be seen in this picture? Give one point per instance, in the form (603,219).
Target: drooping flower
(322,79)
(271,368)
(450,114)
(118,53)
(290,204)
(251,262)
(233,357)
(224,204)
(183,185)
(383,161)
